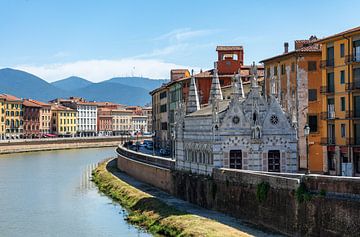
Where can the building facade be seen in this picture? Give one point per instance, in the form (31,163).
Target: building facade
(104,121)
(31,118)
(147,111)
(298,80)
(251,133)
(139,124)
(13,116)
(45,117)
(121,122)
(2,118)
(64,121)
(340,67)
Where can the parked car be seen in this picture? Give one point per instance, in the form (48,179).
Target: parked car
(164,152)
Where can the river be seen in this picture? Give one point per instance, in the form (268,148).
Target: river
(50,194)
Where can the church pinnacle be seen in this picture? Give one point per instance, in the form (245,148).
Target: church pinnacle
(215,91)
(193,99)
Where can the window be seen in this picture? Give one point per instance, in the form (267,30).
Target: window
(268,72)
(313,123)
(331,160)
(163,108)
(235,159)
(274,161)
(330,82)
(312,94)
(293,67)
(342,77)
(311,66)
(283,70)
(342,50)
(275,70)
(163,126)
(163,95)
(343,132)
(342,103)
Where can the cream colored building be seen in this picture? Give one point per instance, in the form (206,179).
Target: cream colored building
(121,121)
(13,116)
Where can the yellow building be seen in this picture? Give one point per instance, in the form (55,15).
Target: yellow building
(340,90)
(63,121)
(13,116)
(2,118)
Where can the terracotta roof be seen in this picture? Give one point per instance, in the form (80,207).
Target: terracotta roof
(31,104)
(60,108)
(39,102)
(9,97)
(307,49)
(179,70)
(350,31)
(220,48)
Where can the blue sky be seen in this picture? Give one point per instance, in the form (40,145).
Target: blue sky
(101,39)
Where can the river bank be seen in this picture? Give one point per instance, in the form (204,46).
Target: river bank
(158,216)
(57,144)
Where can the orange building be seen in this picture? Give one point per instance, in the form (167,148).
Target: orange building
(298,80)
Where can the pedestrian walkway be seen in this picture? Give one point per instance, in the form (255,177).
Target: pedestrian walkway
(188,207)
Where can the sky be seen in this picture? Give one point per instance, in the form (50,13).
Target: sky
(99,40)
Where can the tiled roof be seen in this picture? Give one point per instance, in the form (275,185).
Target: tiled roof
(350,31)
(307,49)
(179,70)
(9,97)
(60,108)
(220,48)
(39,102)
(28,103)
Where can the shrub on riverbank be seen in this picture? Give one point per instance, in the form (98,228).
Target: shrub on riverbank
(153,214)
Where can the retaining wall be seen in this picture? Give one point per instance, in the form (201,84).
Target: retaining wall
(234,192)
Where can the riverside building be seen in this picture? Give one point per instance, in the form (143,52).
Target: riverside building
(340,94)
(44,117)
(297,78)
(249,132)
(13,116)
(31,119)
(64,121)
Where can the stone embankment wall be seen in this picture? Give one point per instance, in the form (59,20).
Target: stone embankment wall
(14,146)
(292,204)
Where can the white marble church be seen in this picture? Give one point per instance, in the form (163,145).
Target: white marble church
(249,133)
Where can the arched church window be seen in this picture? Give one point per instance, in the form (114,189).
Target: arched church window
(254,117)
(236,159)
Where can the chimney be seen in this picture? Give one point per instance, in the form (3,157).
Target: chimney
(286,47)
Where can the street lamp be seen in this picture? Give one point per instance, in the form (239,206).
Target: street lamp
(306,133)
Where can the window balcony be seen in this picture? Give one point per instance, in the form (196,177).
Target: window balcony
(352,58)
(353,86)
(353,141)
(328,141)
(328,63)
(327,115)
(327,90)
(350,114)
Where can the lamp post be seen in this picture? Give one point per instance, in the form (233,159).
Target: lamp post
(306,133)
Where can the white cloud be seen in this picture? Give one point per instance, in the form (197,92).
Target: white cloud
(99,70)
(184,34)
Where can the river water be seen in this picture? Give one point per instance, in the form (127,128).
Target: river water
(50,194)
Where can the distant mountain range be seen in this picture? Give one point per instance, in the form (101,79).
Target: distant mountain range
(123,90)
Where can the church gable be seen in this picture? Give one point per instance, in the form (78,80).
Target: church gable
(234,117)
(276,118)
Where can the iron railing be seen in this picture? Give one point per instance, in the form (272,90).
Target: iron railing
(352,58)
(328,63)
(328,141)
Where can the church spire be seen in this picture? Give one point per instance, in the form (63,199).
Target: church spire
(193,99)
(215,91)
(238,89)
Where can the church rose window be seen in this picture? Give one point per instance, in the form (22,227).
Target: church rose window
(274,119)
(236,119)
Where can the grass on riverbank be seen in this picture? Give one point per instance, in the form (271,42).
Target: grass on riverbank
(153,214)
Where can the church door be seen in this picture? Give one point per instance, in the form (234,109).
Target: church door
(235,159)
(274,161)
